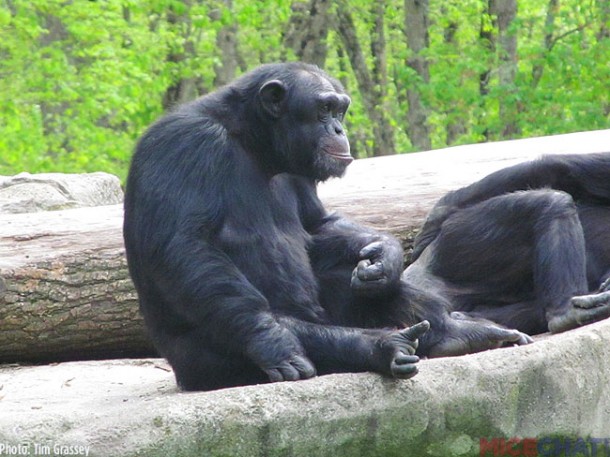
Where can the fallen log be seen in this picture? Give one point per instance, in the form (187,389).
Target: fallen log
(65,292)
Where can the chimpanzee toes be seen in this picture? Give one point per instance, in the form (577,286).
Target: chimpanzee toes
(599,301)
(585,309)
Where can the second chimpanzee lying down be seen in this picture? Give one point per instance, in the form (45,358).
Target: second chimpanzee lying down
(527,247)
(242,275)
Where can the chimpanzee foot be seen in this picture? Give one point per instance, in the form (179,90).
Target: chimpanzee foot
(465,334)
(398,348)
(584,309)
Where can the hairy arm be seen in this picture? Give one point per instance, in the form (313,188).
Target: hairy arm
(375,259)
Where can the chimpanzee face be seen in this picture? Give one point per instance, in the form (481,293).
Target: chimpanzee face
(309,133)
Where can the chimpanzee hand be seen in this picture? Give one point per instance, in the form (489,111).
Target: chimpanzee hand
(379,271)
(465,335)
(279,354)
(397,350)
(292,369)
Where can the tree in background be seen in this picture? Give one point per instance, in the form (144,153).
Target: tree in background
(79,81)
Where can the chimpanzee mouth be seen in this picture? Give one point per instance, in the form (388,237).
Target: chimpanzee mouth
(343,156)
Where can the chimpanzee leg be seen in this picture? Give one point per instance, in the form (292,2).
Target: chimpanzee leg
(332,349)
(198,367)
(525,247)
(528,316)
(419,297)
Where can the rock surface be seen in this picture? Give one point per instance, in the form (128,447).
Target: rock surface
(28,193)
(554,389)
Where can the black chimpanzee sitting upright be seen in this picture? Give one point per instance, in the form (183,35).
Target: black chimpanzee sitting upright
(527,247)
(242,275)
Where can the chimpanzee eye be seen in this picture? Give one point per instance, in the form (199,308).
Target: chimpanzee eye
(325,111)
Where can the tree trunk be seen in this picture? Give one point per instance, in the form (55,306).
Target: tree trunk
(227,44)
(385,134)
(488,42)
(372,96)
(183,89)
(65,291)
(55,32)
(506,12)
(604,13)
(455,129)
(416,29)
(549,30)
(307,31)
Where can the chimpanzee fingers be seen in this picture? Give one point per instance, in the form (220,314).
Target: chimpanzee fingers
(503,335)
(304,366)
(371,250)
(274,375)
(398,351)
(605,287)
(369,279)
(407,340)
(284,372)
(416,331)
(521,339)
(367,271)
(293,369)
(525,339)
(404,366)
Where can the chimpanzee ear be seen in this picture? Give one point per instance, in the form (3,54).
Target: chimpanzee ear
(273,97)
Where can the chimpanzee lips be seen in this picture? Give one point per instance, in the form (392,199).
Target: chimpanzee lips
(342,155)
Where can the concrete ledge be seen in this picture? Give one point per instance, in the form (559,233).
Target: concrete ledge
(557,387)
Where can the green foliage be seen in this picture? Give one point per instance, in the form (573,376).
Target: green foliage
(79,81)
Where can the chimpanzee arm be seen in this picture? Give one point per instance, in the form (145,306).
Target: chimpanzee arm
(586,177)
(375,259)
(210,294)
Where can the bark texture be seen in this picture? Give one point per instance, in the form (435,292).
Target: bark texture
(416,29)
(369,81)
(65,291)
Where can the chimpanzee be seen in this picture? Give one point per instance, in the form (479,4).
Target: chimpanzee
(527,247)
(242,275)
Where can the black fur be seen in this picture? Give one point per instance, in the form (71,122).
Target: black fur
(242,275)
(527,247)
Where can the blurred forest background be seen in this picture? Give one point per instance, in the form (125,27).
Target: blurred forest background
(80,80)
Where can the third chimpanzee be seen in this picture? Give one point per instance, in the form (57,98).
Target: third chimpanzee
(527,247)
(242,275)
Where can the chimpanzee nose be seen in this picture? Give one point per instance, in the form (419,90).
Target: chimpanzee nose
(338,128)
